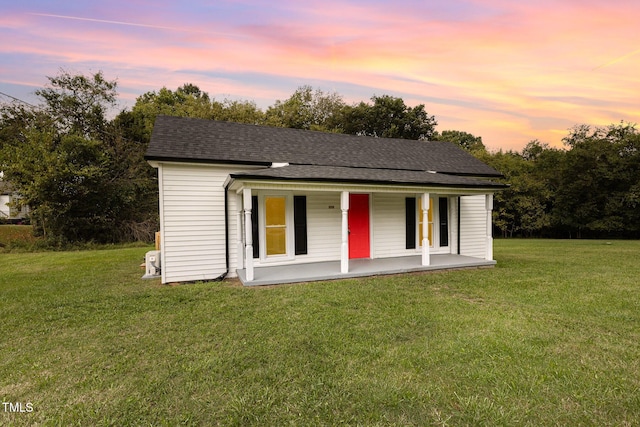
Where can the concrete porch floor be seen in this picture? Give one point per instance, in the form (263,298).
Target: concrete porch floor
(330,270)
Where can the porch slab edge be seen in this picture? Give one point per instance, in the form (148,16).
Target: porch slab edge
(477,263)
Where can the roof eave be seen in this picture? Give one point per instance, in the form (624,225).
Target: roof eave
(152,158)
(246,177)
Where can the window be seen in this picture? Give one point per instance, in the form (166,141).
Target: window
(414,217)
(274,230)
(275,221)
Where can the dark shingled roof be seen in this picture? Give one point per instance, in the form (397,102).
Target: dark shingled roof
(208,141)
(365,175)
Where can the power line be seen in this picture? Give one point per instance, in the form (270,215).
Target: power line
(102,131)
(17,99)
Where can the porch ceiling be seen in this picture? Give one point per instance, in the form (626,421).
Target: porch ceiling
(330,270)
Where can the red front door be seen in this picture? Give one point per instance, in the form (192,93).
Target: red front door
(359,226)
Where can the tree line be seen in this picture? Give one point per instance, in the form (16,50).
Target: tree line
(85,178)
(588,189)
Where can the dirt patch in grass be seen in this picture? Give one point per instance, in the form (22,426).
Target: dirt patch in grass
(12,236)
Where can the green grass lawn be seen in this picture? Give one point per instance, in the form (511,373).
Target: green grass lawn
(551,336)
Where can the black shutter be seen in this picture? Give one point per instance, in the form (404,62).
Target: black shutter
(300,224)
(410,204)
(255,227)
(444,221)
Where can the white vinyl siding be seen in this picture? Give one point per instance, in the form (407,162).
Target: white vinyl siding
(5,211)
(324,227)
(193,222)
(389,231)
(473,226)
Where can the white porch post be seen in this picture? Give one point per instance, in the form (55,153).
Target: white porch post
(453,225)
(240,242)
(489,241)
(425,229)
(246,198)
(344,247)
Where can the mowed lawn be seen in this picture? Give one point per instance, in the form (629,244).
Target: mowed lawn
(551,336)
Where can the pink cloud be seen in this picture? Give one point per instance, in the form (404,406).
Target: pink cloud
(497,68)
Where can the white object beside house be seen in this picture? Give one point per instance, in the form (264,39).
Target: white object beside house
(239,200)
(8,196)
(152,265)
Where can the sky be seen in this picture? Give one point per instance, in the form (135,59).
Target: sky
(508,71)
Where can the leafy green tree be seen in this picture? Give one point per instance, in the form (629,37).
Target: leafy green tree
(135,186)
(71,165)
(600,181)
(525,208)
(591,189)
(465,140)
(186,101)
(60,177)
(239,112)
(389,117)
(79,103)
(307,109)
(14,119)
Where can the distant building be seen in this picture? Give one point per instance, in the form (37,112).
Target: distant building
(8,212)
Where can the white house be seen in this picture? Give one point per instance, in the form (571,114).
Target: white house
(274,205)
(7,198)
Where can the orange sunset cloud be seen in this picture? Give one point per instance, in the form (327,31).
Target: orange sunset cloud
(509,72)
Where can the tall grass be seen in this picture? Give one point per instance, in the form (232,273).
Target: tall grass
(21,239)
(13,237)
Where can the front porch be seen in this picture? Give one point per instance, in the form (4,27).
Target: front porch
(330,270)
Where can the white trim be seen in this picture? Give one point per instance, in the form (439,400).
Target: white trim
(424,200)
(437,249)
(239,233)
(290,239)
(344,246)
(226,166)
(238,185)
(453,225)
(163,261)
(489,244)
(248,229)
(371,227)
